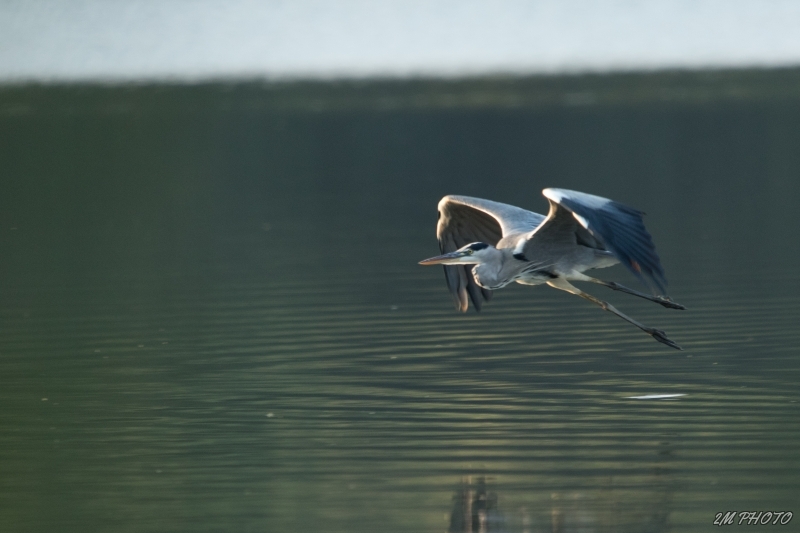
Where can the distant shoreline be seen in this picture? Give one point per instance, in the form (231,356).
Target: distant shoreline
(499,92)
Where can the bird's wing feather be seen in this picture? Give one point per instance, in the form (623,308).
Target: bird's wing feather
(511,219)
(464,220)
(620,229)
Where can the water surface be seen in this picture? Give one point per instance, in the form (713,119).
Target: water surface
(212,319)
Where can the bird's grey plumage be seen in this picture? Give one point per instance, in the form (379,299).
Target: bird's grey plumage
(507,244)
(619,227)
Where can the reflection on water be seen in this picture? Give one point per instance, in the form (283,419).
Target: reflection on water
(211,316)
(476,509)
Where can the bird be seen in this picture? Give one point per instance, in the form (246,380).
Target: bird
(581,232)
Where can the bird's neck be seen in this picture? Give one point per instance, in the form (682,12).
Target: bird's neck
(489,274)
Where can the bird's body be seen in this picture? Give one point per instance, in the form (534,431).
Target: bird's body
(508,244)
(507,265)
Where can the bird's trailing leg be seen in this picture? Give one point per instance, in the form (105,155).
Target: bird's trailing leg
(663,300)
(657,334)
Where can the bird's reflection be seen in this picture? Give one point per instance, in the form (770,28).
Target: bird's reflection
(622,504)
(475,509)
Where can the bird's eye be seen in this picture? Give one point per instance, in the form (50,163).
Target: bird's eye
(470,251)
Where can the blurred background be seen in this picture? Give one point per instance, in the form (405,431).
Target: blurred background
(211,312)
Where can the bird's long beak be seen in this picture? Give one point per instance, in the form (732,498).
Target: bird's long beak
(446,259)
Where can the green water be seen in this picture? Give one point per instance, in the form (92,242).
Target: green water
(212,319)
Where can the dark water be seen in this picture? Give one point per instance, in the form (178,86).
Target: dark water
(212,319)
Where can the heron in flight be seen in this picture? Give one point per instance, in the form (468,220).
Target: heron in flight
(581,232)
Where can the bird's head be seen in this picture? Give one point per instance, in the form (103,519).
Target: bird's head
(471,254)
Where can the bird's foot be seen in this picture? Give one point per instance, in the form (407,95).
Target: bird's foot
(661,337)
(666,301)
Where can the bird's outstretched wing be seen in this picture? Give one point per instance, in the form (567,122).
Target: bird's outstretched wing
(619,228)
(464,220)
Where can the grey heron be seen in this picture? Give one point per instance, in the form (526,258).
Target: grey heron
(581,232)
